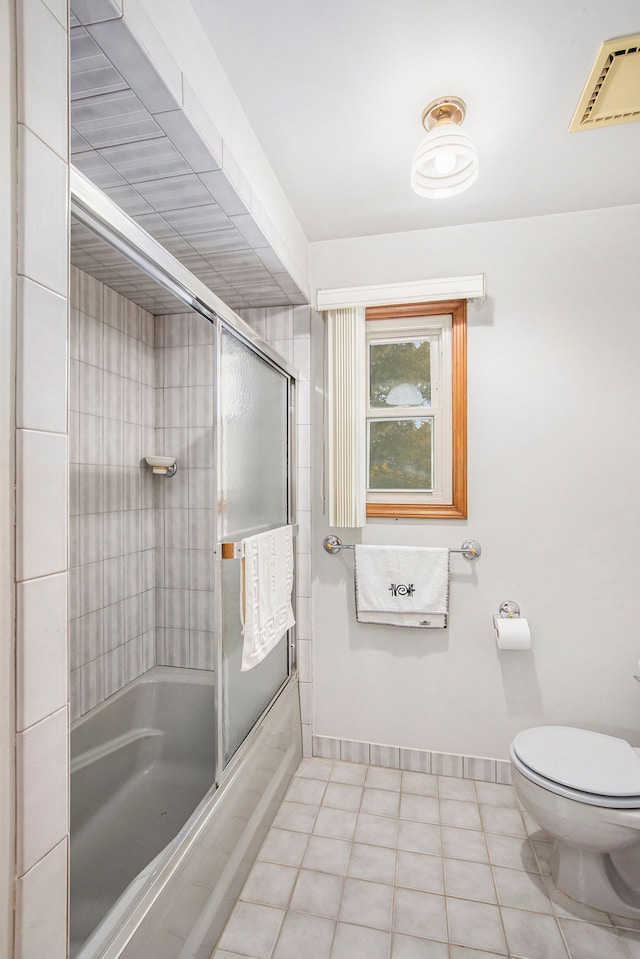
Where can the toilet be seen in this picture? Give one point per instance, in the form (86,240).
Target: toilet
(583,788)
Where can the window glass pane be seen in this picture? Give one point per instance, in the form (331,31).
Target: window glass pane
(400,454)
(400,373)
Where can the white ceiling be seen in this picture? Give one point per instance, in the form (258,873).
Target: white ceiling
(335,91)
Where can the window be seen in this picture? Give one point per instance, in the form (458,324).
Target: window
(416,410)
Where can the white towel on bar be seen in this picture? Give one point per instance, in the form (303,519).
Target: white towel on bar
(267,581)
(402,585)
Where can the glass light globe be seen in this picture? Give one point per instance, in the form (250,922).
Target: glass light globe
(437,179)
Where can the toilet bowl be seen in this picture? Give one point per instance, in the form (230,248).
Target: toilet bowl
(583,788)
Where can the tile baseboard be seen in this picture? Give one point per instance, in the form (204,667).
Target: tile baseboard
(414,760)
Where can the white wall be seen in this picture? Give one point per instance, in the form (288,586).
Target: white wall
(554,466)
(7,420)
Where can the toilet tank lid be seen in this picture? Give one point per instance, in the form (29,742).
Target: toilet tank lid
(587,761)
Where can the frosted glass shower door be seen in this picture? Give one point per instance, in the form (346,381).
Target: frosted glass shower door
(254,497)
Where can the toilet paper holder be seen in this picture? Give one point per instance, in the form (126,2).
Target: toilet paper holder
(508,610)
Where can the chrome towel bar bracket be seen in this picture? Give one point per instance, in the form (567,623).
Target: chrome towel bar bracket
(470,549)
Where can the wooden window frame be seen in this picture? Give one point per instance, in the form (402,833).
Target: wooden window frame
(457,509)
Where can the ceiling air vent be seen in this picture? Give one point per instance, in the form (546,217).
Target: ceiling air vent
(612,92)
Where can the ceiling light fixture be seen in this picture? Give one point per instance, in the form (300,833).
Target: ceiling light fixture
(446,162)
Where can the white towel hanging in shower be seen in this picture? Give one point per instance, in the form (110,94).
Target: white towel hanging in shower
(267,581)
(402,585)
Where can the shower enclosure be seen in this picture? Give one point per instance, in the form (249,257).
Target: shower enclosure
(178,759)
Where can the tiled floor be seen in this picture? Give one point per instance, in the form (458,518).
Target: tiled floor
(370,863)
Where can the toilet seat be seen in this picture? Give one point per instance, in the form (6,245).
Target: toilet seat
(578,764)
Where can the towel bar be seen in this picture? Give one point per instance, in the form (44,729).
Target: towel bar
(470,549)
(235,550)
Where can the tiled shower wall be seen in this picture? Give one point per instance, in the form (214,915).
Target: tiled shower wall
(141,545)
(112,530)
(185,503)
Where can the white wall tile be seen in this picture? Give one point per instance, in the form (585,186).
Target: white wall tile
(41,908)
(42,648)
(42,788)
(42,213)
(305,662)
(42,75)
(41,392)
(305,702)
(304,488)
(41,516)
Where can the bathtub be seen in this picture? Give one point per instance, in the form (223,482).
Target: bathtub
(158,856)
(140,764)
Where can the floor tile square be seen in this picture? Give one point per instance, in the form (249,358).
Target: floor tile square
(521,890)
(496,794)
(454,812)
(296,817)
(327,855)
(358,942)
(352,774)
(343,796)
(466,844)
(421,784)
(380,778)
(252,929)
(315,768)
(408,947)
(284,847)
(475,924)
(367,904)
(420,808)
(469,880)
(452,787)
(270,884)
(375,863)
(380,802)
(302,935)
(502,820)
(337,823)
(420,914)
(306,791)
(376,830)
(511,852)
(534,936)
(415,870)
(419,837)
(317,893)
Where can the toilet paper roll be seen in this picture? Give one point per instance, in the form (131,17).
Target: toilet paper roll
(512,633)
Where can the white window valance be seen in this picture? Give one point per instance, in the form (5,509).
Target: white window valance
(471,287)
